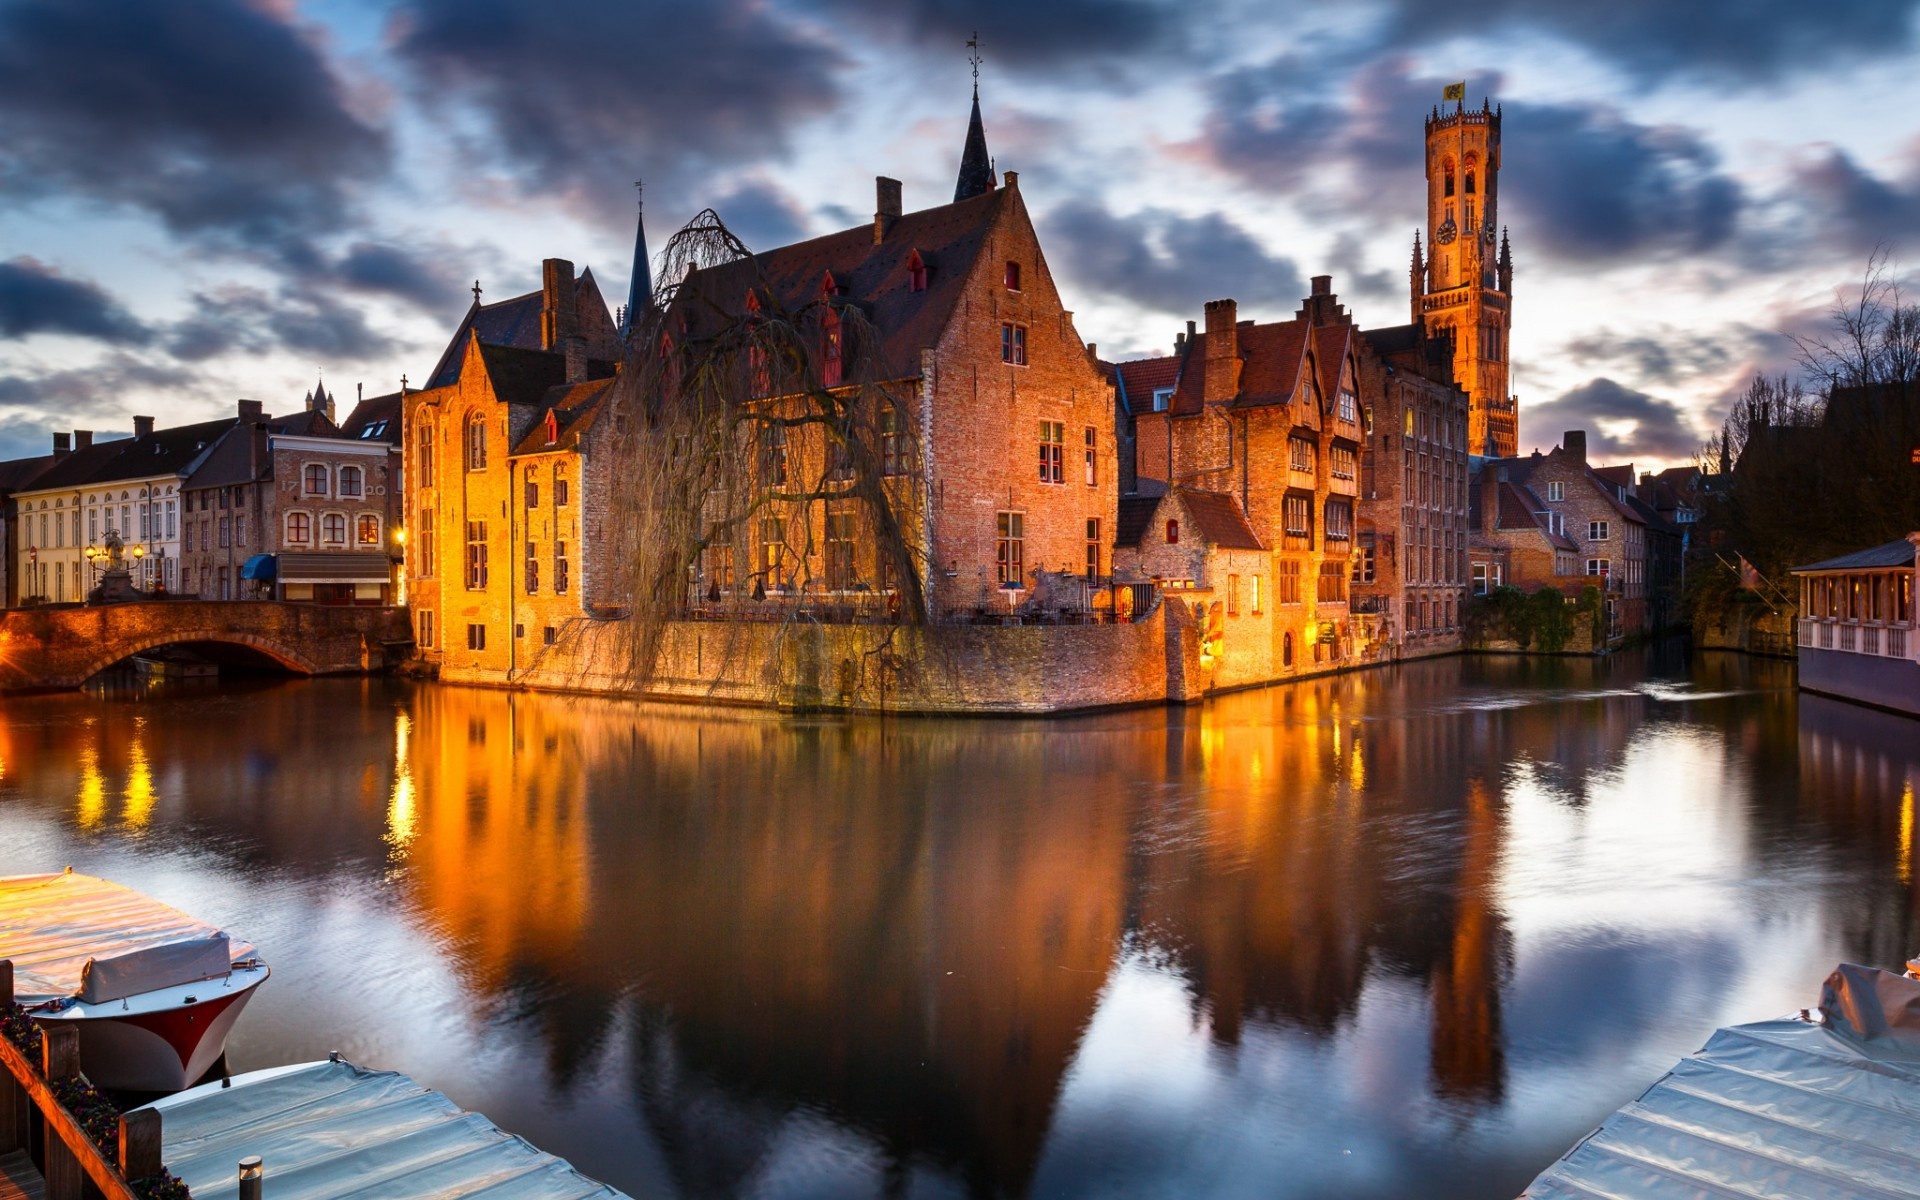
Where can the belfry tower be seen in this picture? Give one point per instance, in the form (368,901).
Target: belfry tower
(1462,288)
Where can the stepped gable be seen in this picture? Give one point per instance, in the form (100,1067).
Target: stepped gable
(575,407)
(949,239)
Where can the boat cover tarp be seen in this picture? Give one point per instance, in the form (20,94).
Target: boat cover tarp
(54,926)
(1791,1108)
(331,1130)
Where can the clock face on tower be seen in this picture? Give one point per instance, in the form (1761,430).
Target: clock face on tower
(1445,234)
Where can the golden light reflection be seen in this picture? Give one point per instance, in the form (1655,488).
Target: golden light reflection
(93,790)
(138,795)
(1906,833)
(402,820)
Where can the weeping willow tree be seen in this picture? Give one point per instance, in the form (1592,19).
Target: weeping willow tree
(768,457)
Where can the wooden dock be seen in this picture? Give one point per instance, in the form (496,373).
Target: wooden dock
(18,1179)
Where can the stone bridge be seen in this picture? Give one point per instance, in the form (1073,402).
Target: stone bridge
(61,647)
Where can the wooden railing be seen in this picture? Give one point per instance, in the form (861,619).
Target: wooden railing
(32,1118)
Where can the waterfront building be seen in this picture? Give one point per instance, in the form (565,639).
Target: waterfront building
(16,474)
(1459,287)
(1856,630)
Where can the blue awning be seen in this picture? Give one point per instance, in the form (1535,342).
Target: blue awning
(260,566)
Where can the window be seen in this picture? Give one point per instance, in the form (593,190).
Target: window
(366,529)
(1093,457)
(1299,454)
(892,449)
(773,551)
(1348,408)
(476,443)
(1255,594)
(1479,579)
(1339,519)
(1296,515)
(476,555)
(840,551)
(226,532)
(1010,547)
(476,637)
(719,571)
(1333,582)
(426,627)
(425,557)
(773,455)
(830,360)
(1344,463)
(560,568)
(1556,491)
(1173,533)
(350,483)
(423,456)
(548,636)
(559,489)
(532,490)
(1233,595)
(1053,436)
(240,530)
(314,480)
(1599,567)
(93,522)
(1162,399)
(171,513)
(1093,547)
(1363,560)
(916,273)
(186,543)
(533,568)
(1013,344)
(1013,276)
(333,529)
(1597,531)
(299,528)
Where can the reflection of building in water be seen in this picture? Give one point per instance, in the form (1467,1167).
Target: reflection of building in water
(1858,772)
(1466,1052)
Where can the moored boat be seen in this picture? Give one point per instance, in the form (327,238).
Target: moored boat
(152,991)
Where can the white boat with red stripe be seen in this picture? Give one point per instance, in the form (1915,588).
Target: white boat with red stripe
(152,991)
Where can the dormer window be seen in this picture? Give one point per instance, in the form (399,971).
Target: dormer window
(1013,276)
(1162,399)
(828,287)
(553,427)
(916,273)
(753,304)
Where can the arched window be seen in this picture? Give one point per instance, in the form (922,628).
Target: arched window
(333,529)
(1449,179)
(367,529)
(299,529)
(1173,533)
(351,487)
(315,479)
(424,456)
(1286,650)
(476,443)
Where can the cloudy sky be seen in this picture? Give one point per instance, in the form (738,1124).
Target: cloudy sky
(202,200)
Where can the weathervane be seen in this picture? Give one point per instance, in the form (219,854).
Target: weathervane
(640,193)
(973,56)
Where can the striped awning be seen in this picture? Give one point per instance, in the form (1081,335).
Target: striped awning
(346,567)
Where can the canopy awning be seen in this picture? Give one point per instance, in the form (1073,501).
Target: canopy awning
(260,566)
(335,568)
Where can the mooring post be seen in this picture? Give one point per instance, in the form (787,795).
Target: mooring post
(60,1059)
(140,1144)
(253,1175)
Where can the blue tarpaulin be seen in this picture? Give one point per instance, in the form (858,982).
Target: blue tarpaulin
(260,566)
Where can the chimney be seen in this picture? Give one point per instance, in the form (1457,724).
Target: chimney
(250,410)
(576,351)
(1322,285)
(886,206)
(82,438)
(1180,342)
(142,427)
(1223,351)
(1574,444)
(62,445)
(557,315)
(258,449)
(1010,179)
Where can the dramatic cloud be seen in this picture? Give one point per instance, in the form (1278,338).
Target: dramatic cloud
(215,115)
(1167,262)
(1620,423)
(1849,207)
(1752,41)
(416,273)
(35,298)
(582,97)
(252,321)
(1671,355)
(1059,33)
(762,215)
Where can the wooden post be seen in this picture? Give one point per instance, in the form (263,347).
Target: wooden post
(60,1059)
(13,1098)
(140,1144)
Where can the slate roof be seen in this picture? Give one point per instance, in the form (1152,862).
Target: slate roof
(231,461)
(976,169)
(19,473)
(375,419)
(575,407)
(1136,513)
(949,237)
(516,322)
(1887,554)
(1394,339)
(164,451)
(1219,519)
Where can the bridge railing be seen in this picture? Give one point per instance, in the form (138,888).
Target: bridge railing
(33,1119)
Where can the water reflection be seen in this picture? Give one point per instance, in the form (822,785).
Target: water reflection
(1404,932)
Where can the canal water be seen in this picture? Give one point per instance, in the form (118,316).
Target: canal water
(1405,932)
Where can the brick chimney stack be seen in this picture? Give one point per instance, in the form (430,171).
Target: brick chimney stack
(558,317)
(82,438)
(142,427)
(575,346)
(250,410)
(886,206)
(1574,444)
(1223,351)
(62,445)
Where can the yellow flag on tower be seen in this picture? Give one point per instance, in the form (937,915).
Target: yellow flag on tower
(1455,91)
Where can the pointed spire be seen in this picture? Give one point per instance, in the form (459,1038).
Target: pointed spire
(1505,266)
(976,169)
(1416,277)
(640,289)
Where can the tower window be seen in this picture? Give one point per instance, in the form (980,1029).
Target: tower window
(1449,180)
(1469,183)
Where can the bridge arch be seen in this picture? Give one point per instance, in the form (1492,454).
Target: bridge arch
(126,648)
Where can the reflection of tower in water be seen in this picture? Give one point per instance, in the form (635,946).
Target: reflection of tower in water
(1467,1058)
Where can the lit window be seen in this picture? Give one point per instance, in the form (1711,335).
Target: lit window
(366,529)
